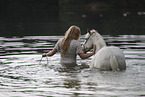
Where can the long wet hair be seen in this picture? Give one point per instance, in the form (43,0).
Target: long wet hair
(72,33)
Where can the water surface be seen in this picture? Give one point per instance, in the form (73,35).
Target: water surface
(22,75)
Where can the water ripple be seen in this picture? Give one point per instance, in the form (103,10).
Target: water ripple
(22,75)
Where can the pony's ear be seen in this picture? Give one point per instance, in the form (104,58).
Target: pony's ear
(88,30)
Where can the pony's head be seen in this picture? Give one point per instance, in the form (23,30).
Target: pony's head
(88,44)
(93,38)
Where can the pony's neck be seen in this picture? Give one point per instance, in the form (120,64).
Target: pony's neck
(99,42)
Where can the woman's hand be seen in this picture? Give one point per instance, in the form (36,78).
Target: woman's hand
(84,56)
(51,53)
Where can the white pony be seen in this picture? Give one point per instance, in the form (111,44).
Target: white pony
(106,57)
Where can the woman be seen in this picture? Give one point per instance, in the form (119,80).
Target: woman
(70,47)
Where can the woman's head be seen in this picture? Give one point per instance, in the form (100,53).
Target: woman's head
(73,33)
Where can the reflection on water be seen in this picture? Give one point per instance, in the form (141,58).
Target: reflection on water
(22,75)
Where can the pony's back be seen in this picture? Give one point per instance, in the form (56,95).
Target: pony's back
(109,58)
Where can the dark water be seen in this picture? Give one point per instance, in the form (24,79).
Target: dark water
(21,74)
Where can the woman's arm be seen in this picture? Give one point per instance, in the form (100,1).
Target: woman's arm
(51,53)
(85,56)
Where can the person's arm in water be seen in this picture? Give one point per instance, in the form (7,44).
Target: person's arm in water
(51,53)
(85,56)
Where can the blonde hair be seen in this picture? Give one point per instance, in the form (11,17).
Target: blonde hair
(72,33)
